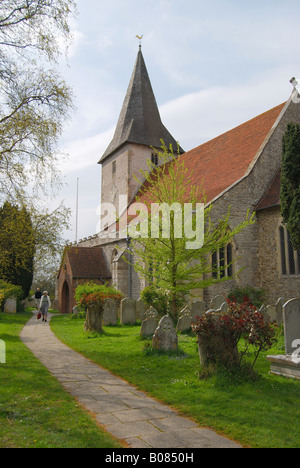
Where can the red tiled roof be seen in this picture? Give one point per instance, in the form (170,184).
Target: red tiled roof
(221,162)
(88,262)
(272,196)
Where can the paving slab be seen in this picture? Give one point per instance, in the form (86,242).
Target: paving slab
(124,411)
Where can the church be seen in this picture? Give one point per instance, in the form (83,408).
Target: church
(240,168)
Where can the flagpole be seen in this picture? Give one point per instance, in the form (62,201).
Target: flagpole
(77,211)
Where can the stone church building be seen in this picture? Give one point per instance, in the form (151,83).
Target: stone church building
(240,168)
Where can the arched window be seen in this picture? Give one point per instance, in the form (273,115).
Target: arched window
(289,258)
(222,262)
(154,159)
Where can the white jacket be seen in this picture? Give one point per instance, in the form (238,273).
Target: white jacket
(49,302)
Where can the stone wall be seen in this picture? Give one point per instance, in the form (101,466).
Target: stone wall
(244,195)
(270,276)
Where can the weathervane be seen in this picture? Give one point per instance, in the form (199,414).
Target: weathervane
(140,39)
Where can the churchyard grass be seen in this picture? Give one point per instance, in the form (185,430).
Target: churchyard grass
(261,412)
(35,410)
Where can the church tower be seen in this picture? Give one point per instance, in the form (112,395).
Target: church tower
(139,127)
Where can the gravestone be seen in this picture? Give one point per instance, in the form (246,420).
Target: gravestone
(141,309)
(110,312)
(10,306)
(94,319)
(150,322)
(197,310)
(75,310)
(271,312)
(185,320)
(217,302)
(223,309)
(2,352)
(279,310)
(128,311)
(291,321)
(263,311)
(165,337)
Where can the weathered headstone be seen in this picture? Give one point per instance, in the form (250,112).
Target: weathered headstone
(217,302)
(2,352)
(110,312)
(271,312)
(75,310)
(263,311)
(197,309)
(150,322)
(165,337)
(223,309)
(291,320)
(185,320)
(128,311)
(279,310)
(216,347)
(94,319)
(10,306)
(140,309)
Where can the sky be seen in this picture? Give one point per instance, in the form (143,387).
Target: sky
(213,65)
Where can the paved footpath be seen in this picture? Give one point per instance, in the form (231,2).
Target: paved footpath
(125,412)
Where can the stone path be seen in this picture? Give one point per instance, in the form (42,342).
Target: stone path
(125,412)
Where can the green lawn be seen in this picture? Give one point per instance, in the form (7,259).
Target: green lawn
(35,410)
(257,413)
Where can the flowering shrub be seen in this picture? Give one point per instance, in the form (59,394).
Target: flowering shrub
(92,294)
(240,321)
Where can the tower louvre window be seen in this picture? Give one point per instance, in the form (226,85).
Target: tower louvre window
(114,167)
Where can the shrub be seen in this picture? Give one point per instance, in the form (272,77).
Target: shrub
(221,333)
(9,290)
(160,300)
(90,294)
(255,296)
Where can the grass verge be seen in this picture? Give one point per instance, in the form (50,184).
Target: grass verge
(257,412)
(35,410)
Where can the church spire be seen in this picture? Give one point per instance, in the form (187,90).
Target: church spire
(139,121)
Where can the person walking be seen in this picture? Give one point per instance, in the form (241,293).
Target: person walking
(37,297)
(45,305)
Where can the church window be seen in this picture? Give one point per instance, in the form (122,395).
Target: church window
(154,159)
(282,250)
(229,260)
(222,262)
(114,167)
(290,258)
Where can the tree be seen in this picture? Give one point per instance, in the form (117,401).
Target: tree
(48,226)
(167,258)
(17,246)
(290,182)
(34,100)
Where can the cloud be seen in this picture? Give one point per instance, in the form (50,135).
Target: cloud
(78,39)
(203,115)
(85,152)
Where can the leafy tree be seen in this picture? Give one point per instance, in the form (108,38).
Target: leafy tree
(34,100)
(17,246)
(290,182)
(48,226)
(164,260)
